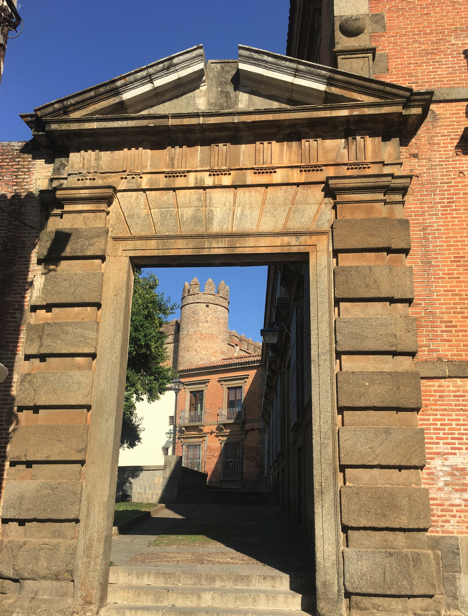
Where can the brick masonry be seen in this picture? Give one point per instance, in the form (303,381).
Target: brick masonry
(22,169)
(434,38)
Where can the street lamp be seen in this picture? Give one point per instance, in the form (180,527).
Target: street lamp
(177,385)
(270,334)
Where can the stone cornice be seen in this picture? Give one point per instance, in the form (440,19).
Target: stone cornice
(306,81)
(186,69)
(362,184)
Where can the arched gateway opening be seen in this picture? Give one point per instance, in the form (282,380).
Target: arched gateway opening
(251,161)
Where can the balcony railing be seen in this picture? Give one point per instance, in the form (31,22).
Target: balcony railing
(192,417)
(231,414)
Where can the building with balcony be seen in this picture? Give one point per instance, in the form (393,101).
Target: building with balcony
(219,425)
(220,428)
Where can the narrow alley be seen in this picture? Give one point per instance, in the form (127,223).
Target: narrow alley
(205,559)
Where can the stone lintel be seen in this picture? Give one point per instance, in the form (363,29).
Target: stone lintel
(367,446)
(73,243)
(49,389)
(385,507)
(379,390)
(392,572)
(61,338)
(376,335)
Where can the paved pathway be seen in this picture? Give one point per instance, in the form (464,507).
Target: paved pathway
(205,537)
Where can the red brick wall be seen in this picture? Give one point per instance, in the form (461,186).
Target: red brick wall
(444,418)
(21,219)
(253,444)
(425,42)
(433,37)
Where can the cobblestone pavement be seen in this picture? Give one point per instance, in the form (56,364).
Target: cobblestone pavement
(243,537)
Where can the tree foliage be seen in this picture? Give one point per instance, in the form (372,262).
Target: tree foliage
(147,377)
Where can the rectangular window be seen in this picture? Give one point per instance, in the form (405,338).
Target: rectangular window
(196,407)
(234,410)
(232,461)
(171,420)
(192,456)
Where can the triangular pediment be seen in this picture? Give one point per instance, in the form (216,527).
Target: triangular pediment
(186,83)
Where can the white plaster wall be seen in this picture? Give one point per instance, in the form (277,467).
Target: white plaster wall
(156,424)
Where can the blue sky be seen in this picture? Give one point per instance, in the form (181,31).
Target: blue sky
(68,46)
(247,287)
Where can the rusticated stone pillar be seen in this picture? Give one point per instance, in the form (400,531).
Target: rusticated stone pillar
(64,448)
(385,512)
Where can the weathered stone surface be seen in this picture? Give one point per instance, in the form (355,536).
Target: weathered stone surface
(55,389)
(387,540)
(43,443)
(382,477)
(376,540)
(72,242)
(457,369)
(42,500)
(378,604)
(363,281)
(371,234)
(392,572)
(39,530)
(452,591)
(403,419)
(385,507)
(401,238)
(384,390)
(362,233)
(56,472)
(37,560)
(367,334)
(449,548)
(382,446)
(66,337)
(43,588)
(9,587)
(35,606)
(76,289)
(403,288)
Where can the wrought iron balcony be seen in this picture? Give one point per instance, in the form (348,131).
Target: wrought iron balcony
(231,414)
(192,417)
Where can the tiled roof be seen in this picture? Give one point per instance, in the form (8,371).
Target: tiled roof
(225,362)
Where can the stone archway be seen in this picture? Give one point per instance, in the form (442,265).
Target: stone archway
(243,161)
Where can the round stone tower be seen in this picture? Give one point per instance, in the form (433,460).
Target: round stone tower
(203,324)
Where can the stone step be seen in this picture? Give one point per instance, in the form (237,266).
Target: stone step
(202,596)
(166,610)
(210,577)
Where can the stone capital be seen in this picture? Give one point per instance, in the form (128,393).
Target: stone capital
(86,198)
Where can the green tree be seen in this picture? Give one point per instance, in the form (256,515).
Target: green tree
(147,377)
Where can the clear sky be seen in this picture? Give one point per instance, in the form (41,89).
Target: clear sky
(67,46)
(247,287)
